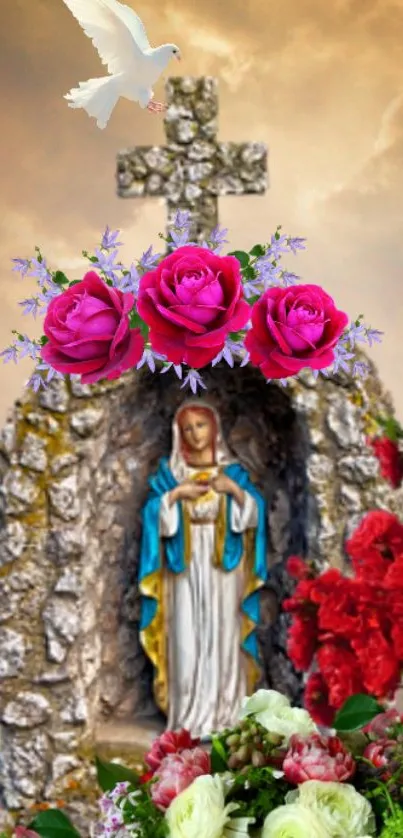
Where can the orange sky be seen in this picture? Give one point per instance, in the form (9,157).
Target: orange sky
(321,83)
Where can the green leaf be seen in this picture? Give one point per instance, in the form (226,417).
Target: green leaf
(60,278)
(249,272)
(53,824)
(43,340)
(219,760)
(257,250)
(357,712)
(75,282)
(110,773)
(137,323)
(243,258)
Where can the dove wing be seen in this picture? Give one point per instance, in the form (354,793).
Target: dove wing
(133,22)
(110,26)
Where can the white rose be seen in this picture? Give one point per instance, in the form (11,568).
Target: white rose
(261,700)
(346,813)
(287,721)
(294,821)
(273,711)
(200,811)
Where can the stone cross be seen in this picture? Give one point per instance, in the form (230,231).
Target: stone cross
(193,169)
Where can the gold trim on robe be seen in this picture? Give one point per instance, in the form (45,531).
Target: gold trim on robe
(153,638)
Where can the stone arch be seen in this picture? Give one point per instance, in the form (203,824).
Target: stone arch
(72,459)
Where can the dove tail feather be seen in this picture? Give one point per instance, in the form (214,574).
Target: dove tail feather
(97,97)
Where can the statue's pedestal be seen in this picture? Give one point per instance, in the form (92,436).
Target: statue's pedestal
(127,740)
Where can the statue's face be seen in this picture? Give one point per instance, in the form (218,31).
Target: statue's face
(197,430)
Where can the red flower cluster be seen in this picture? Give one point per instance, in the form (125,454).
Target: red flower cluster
(350,628)
(390,459)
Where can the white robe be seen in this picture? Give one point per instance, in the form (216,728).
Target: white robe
(206,667)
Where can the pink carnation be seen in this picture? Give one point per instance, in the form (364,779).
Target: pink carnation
(170,742)
(176,773)
(317,758)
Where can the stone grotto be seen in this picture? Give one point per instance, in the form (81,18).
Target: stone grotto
(74,463)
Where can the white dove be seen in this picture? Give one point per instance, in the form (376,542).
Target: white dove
(122,44)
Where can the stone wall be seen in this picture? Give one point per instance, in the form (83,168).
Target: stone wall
(74,464)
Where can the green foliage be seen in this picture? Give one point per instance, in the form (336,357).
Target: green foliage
(59,278)
(142,811)
(257,792)
(137,323)
(390,427)
(111,773)
(357,712)
(219,756)
(393,827)
(243,258)
(53,824)
(43,340)
(257,250)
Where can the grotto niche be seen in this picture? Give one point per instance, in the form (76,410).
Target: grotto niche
(74,462)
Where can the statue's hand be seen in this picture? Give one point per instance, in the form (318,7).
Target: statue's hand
(223,485)
(191,490)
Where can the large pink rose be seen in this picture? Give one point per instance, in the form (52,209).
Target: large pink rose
(88,330)
(191,301)
(293,328)
(317,758)
(176,773)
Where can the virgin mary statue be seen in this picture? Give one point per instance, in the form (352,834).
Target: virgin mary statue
(202,563)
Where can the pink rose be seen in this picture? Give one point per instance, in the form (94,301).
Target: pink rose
(176,773)
(89,333)
(23,832)
(317,758)
(293,328)
(191,302)
(170,742)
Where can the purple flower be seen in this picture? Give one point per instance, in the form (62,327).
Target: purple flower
(342,356)
(9,354)
(109,239)
(288,278)
(176,367)
(360,369)
(224,355)
(36,382)
(22,266)
(296,244)
(49,293)
(268,273)
(182,219)
(149,359)
(30,306)
(374,336)
(40,269)
(149,260)
(106,262)
(28,348)
(217,239)
(129,281)
(194,381)
(179,237)
(278,246)
(355,333)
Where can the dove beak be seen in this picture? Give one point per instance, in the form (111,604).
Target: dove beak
(178,56)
